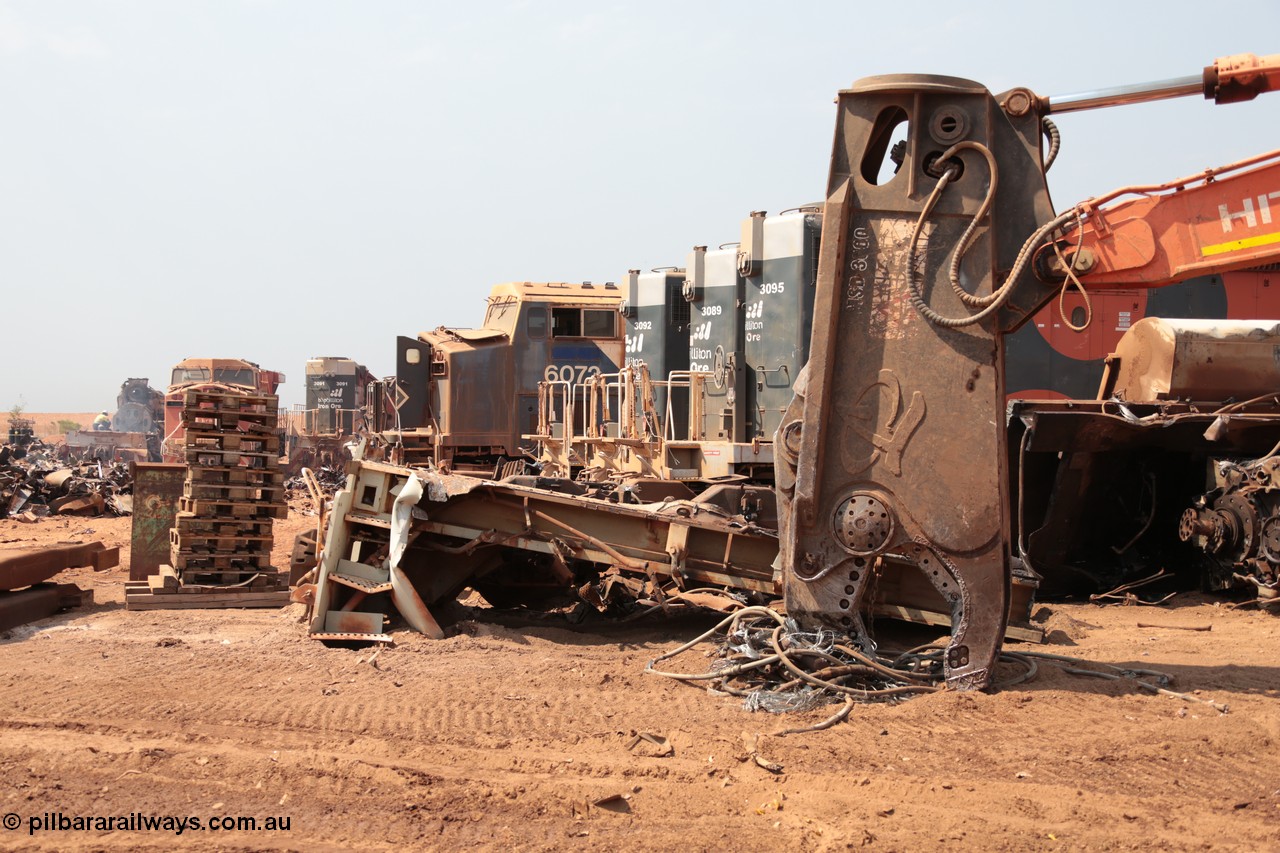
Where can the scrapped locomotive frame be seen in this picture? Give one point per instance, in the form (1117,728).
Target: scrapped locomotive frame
(422,536)
(1143,477)
(921,276)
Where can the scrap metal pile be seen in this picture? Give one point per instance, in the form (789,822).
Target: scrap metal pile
(35,483)
(328,479)
(774,665)
(412,539)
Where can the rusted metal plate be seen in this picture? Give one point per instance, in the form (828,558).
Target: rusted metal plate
(157,486)
(368,625)
(898,446)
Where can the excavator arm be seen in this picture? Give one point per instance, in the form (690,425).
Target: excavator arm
(1219,220)
(894,452)
(1148,236)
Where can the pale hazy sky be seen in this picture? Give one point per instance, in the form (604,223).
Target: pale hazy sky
(281,179)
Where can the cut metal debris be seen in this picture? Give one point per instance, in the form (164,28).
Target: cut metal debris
(663,745)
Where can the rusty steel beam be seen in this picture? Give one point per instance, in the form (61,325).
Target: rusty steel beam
(23,567)
(39,601)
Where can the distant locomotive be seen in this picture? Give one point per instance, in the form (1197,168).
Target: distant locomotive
(134,431)
(337,401)
(201,374)
(336,389)
(139,408)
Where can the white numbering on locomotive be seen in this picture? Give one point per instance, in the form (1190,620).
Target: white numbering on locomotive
(569,372)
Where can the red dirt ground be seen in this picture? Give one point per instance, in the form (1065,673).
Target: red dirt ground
(506,736)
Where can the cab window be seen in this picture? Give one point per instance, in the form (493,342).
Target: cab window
(584,323)
(232,376)
(566,322)
(598,324)
(536,323)
(182,375)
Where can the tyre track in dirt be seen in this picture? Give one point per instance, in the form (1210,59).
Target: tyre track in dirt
(436,712)
(326,773)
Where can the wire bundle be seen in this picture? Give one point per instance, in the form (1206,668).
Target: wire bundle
(767,660)
(770,663)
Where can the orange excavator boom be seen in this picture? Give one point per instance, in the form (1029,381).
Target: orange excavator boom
(1212,222)
(1219,220)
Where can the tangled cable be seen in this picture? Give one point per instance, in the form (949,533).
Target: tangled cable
(770,663)
(766,660)
(765,651)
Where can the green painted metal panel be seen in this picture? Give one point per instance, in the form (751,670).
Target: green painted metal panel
(156,489)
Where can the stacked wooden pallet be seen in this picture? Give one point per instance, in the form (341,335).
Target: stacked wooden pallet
(220,545)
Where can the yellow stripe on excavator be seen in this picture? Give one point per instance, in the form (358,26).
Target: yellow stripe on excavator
(1237,245)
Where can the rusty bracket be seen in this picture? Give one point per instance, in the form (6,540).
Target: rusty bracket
(678,549)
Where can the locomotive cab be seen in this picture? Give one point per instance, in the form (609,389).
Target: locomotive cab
(465,396)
